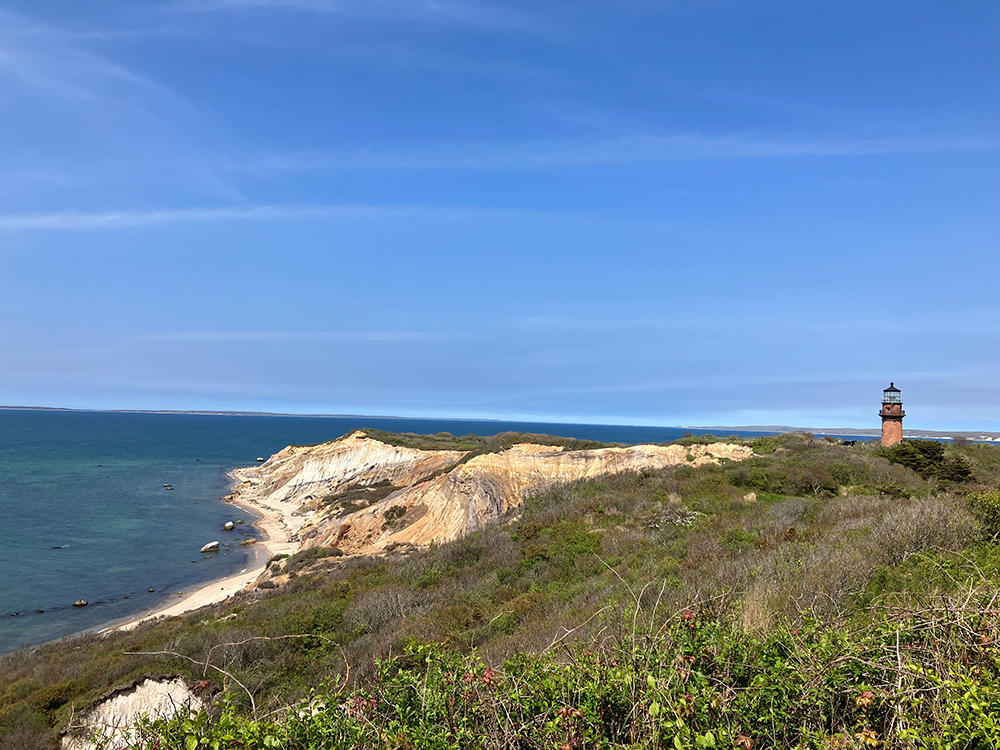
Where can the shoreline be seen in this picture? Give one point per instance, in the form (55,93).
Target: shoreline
(271,522)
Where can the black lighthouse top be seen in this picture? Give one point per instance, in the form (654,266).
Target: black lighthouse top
(891,395)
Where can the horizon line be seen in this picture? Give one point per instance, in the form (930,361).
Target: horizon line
(847,431)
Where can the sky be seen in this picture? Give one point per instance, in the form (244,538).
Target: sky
(675,212)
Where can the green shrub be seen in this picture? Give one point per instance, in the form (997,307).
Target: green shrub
(394,513)
(21,714)
(766,445)
(985,505)
(50,698)
(929,459)
(18,691)
(430,577)
(954,469)
(708,439)
(302,559)
(883,488)
(738,540)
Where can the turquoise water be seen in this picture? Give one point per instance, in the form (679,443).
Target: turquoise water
(84,514)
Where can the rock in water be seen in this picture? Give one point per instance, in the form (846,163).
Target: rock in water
(80,603)
(211,547)
(229,526)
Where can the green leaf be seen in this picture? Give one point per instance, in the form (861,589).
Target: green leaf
(678,742)
(191,742)
(654,709)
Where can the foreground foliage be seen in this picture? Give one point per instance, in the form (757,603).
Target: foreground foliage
(923,678)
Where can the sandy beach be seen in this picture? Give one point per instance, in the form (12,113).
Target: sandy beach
(276,525)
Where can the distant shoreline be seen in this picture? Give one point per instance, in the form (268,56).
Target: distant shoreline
(217,413)
(772,429)
(849,432)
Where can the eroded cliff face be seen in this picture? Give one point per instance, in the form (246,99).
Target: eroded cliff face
(109,724)
(414,498)
(489,489)
(297,483)
(300,473)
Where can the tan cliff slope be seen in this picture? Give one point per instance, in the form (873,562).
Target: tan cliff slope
(366,497)
(291,486)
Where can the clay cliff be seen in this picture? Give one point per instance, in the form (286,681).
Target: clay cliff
(366,497)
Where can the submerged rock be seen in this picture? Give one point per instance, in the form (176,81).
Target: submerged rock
(80,603)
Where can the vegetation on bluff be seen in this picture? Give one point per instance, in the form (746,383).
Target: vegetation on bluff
(668,608)
(478,445)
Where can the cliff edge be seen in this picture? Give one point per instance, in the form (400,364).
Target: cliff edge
(366,497)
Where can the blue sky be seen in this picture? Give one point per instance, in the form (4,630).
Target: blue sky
(635,212)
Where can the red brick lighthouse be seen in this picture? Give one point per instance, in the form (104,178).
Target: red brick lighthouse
(892,415)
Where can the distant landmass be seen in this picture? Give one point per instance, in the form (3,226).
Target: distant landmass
(845,431)
(221,413)
(851,431)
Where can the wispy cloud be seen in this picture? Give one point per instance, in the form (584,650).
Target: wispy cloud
(75,116)
(43,58)
(80,220)
(458,12)
(392,336)
(624,150)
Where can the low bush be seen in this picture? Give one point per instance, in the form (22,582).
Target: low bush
(302,559)
(477,445)
(929,458)
(985,505)
(893,678)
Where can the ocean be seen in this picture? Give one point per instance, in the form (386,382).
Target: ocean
(84,513)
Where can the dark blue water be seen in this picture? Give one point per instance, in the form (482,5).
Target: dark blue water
(91,484)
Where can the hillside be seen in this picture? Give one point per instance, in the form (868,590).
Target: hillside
(364,496)
(806,592)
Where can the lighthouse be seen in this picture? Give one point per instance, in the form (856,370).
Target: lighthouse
(892,415)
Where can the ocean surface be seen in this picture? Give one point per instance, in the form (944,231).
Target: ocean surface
(84,513)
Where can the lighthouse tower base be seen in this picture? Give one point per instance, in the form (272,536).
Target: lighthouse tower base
(892,431)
